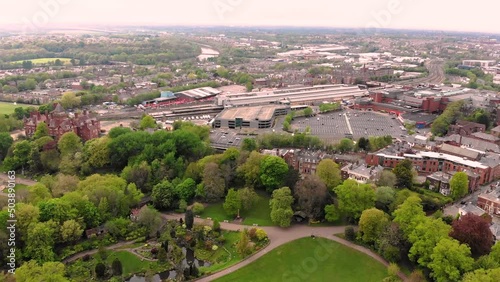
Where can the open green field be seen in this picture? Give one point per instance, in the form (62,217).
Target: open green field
(7,108)
(309,259)
(259,214)
(43,61)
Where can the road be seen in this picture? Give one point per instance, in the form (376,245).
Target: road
(279,236)
(436,74)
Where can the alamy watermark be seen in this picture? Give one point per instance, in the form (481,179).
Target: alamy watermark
(11,222)
(48,9)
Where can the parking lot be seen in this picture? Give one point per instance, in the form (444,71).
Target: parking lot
(224,138)
(335,125)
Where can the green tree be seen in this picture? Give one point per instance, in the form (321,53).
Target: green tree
(186,189)
(329,171)
(42,129)
(308,112)
(38,193)
(243,246)
(163,195)
(248,198)
(27,215)
(151,219)
(71,231)
(100,270)
(363,144)
(148,122)
(31,271)
(213,181)
(189,219)
(384,197)
(371,224)
(450,260)
(404,174)
(281,206)
(40,242)
(345,145)
(353,198)
(69,144)
(232,204)
(69,100)
(249,144)
(117,267)
(332,213)
(162,255)
(250,170)
(409,214)
(424,237)
(5,143)
(459,185)
(272,172)
(482,275)
(387,178)
(312,195)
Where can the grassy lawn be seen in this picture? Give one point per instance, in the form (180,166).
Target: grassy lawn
(42,61)
(130,262)
(7,108)
(310,259)
(259,214)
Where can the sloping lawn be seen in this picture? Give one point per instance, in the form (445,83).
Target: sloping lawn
(259,214)
(130,262)
(309,259)
(8,108)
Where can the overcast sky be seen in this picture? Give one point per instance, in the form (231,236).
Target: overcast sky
(454,15)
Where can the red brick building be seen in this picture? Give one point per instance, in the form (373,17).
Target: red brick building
(490,202)
(59,122)
(430,162)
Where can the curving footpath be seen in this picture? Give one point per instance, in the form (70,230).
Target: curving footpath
(279,236)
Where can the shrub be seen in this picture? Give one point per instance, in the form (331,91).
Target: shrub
(209,244)
(215,248)
(86,258)
(349,233)
(154,251)
(197,208)
(182,205)
(261,234)
(221,239)
(216,226)
(100,270)
(252,233)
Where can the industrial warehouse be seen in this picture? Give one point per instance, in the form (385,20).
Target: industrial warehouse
(292,96)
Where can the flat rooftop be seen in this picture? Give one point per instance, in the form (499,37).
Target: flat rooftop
(249,113)
(200,93)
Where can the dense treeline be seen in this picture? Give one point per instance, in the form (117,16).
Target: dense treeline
(140,50)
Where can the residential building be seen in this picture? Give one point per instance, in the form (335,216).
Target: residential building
(490,202)
(495,131)
(470,208)
(59,122)
(361,172)
(466,128)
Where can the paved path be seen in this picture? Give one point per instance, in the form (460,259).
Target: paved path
(279,236)
(4,178)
